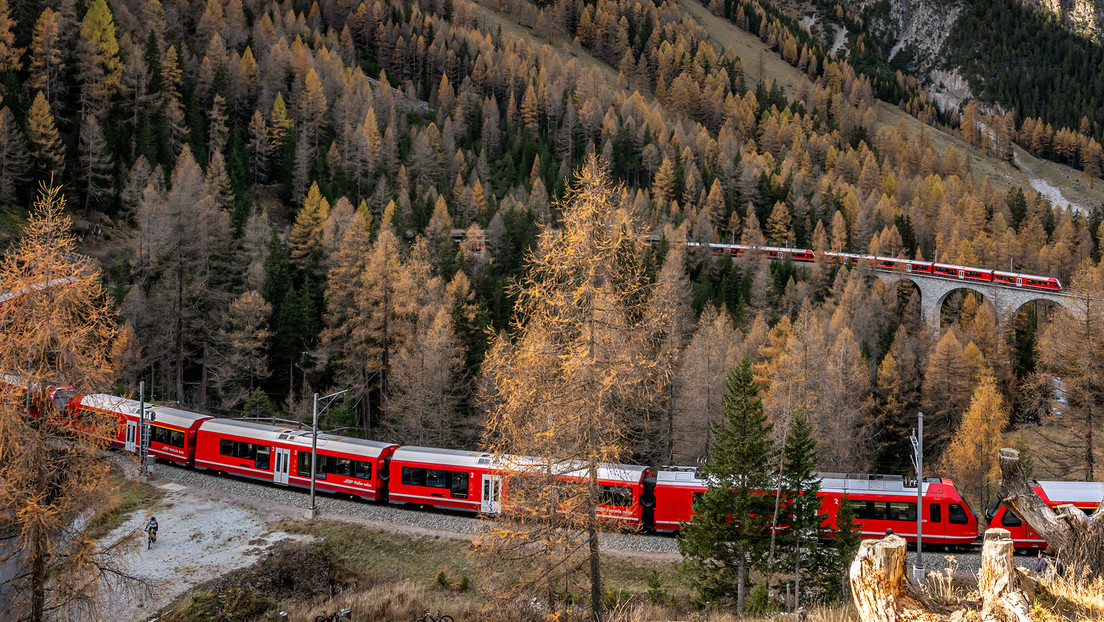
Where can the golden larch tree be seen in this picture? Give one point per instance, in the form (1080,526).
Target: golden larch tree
(580,363)
(971,458)
(58,329)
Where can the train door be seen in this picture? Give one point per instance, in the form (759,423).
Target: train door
(1019,281)
(283,465)
(131,435)
(961,274)
(491,501)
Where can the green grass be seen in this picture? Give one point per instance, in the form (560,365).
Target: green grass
(127,496)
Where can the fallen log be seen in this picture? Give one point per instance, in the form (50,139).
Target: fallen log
(1074,538)
(883,593)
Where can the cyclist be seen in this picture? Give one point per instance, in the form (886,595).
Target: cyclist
(151,529)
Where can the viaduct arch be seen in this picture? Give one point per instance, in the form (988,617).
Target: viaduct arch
(1006,301)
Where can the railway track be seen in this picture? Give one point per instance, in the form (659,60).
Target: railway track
(388,516)
(391,517)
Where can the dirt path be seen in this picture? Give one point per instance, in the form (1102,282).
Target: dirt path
(200,538)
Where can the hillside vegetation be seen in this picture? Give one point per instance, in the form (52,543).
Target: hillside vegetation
(276,190)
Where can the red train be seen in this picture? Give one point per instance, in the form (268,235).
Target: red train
(1085,495)
(631,496)
(891,264)
(880,501)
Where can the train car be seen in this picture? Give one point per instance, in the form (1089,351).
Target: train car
(1027,281)
(173,433)
(58,396)
(884,502)
(477,482)
(446,478)
(962,273)
(881,502)
(115,419)
(281,455)
(1085,495)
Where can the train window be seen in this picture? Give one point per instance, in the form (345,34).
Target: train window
(302,469)
(341,466)
(226,447)
(935,512)
(362,470)
(459,485)
(620,496)
(899,510)
(412,476)
(437,478)
(1009,519)
(166,436)
(696,497)
(956,515)
(261,461)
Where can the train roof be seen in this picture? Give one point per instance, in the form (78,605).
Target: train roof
(184,419)
(161,415)
(278,434)
(829,482)
(465,458)
(1073,492)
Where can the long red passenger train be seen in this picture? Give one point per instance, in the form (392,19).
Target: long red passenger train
(631,496)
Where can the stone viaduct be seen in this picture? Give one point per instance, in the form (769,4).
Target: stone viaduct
(1006,300)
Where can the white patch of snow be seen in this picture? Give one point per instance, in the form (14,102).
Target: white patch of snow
(808,21)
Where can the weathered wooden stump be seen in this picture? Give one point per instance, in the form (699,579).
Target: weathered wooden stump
(883,592)
(1001,596)
(881,587)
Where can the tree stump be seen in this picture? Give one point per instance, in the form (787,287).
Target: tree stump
(1077,540)
(883,592)
(998,584)
(881,588)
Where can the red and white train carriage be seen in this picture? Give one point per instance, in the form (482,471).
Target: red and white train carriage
(478,482)
(281,455)
(880,501)
(1085,496)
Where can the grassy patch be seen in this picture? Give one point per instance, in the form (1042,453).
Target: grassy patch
(125,497)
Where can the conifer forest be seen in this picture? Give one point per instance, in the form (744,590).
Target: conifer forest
(420,200)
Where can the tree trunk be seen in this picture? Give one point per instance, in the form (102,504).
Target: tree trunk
(741,584)
(592,538)
(1076,540)
(38,577)
(881,588)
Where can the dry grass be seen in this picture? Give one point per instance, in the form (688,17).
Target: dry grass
(1066,598)
(651,613)
(402,601)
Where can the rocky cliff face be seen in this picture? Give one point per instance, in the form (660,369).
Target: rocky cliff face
(1080,16)
(912,31)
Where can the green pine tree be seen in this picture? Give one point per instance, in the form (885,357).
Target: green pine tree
(801,518)
(729,533)
(835,560)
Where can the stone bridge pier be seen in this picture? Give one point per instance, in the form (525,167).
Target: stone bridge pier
(1006,301)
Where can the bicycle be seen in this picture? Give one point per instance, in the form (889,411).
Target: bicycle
(337,616)
(429,617)
(151,538)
